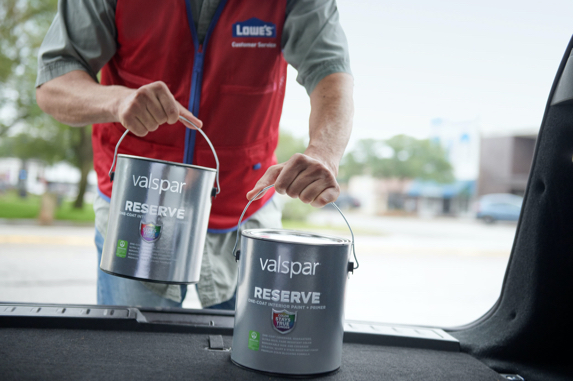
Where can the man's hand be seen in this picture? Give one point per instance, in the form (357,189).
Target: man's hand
(76,99)
(312,176)
(304,177)
(150,106)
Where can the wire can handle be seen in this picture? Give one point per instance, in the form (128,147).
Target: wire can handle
(236,253)
(218,188)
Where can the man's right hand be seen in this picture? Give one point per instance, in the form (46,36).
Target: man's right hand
(77,100)
(145,109)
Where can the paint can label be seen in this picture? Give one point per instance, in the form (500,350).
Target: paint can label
(254,340)
(283,321)
(158,221)
(149,232)
(121,249)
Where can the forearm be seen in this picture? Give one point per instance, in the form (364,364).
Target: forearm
(76,99)
(330,124)
(312,176)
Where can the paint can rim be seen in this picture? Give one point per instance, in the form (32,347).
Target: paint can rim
(147,279)
(275,235)
(287,375)
(167,162)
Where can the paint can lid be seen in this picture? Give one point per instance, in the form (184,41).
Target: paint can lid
(293,236)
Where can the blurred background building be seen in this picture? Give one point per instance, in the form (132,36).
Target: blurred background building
(37,177)
(505,161)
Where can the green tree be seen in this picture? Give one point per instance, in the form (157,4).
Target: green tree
(401,156)
(363,159)
(288,146)
(412,158)
(23,26)
(25,131)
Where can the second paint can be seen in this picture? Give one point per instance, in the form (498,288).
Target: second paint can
(290,302)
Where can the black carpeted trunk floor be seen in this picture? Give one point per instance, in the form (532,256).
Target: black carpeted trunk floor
(65,354)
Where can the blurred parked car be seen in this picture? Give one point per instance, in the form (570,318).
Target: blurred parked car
(499,206)
(346,201)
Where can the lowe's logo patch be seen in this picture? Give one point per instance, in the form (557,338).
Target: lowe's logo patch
(254,28)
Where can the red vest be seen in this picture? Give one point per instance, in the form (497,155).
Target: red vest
(234,82)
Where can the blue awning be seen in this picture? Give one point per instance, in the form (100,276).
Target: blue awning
(421,188)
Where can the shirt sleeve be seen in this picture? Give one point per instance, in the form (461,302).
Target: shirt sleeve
(313,41)
(81,37)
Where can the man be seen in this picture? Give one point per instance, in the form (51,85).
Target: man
(220,61)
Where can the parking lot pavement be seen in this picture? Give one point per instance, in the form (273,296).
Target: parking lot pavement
(441,272)
(52,264)
(47,264)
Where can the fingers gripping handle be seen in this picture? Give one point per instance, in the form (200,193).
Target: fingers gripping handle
(217,190)
(236,253)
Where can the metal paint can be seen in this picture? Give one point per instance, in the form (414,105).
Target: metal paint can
(290,302)
(158,220)
(158,217)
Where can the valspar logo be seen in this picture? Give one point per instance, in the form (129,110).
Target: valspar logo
(160,185)
(254,28)
(288,267)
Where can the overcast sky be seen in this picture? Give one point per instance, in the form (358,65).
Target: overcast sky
(413,61)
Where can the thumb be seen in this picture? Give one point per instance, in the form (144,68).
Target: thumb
(183,112)
(268,178)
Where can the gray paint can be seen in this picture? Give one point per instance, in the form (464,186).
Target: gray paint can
(290,302)
(158,220)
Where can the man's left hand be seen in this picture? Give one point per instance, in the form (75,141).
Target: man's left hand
(308,178)
(311,176)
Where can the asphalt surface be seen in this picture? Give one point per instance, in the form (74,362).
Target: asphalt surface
(442,271)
